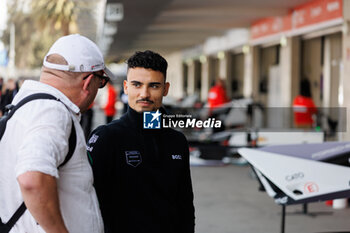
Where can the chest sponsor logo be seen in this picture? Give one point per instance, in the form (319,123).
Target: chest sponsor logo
(179,157)
(133,158)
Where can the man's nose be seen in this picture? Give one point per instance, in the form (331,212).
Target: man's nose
(144,93)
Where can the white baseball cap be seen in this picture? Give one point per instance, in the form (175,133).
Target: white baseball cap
(82,55)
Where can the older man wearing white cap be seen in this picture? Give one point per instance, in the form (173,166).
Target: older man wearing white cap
(59,198)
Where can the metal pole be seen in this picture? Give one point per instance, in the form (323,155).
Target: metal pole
(283,219)
(305,208)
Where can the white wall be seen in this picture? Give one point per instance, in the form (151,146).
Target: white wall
(175,75)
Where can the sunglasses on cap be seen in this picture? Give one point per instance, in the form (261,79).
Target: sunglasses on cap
(103,79)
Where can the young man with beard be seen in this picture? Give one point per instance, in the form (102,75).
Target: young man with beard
(142,176)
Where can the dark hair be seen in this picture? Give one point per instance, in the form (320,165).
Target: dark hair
(305,89)
(149,60)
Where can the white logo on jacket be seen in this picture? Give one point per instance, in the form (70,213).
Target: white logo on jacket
(177,157)
(93,139)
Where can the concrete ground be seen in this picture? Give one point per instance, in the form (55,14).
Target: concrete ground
(227,200)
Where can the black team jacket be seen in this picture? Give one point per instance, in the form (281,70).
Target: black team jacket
(142,177)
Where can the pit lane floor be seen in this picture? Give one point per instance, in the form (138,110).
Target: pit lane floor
(227,200)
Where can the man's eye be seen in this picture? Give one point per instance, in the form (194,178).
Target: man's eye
(155,86)
(136,84)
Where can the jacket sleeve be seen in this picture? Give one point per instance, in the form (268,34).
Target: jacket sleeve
(101,160)
(186,194)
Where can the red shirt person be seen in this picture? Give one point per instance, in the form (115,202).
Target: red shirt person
(304,107)
(109,108)
(217,94)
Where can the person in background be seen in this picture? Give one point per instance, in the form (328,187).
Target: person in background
(217,94)
(304,107)
(1,84)
(1,91)
(9,91)
(124,99)
(142,176)
(109,108)
(36,142)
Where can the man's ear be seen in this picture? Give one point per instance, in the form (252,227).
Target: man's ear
(87,82)
(166,89)
(125,83)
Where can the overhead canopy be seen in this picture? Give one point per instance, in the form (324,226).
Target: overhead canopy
(172,25)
